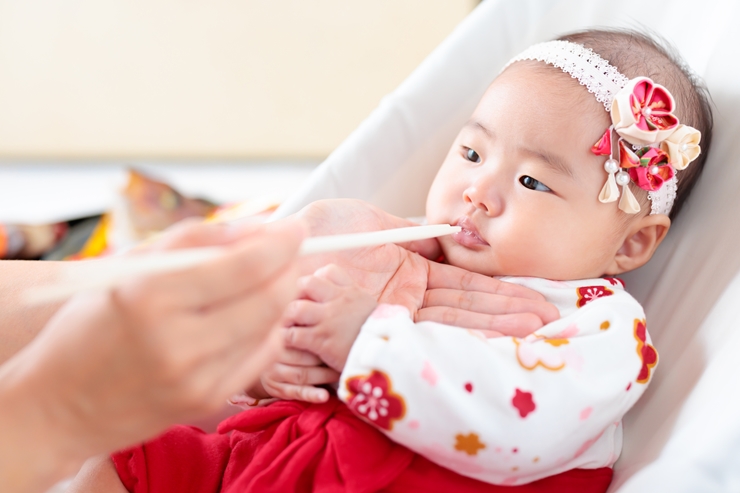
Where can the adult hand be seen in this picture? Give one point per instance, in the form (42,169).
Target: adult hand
(114,368)
(432,291)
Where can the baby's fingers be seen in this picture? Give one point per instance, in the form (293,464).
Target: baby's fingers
(317,289)
(335,274)
(302,375)
(299,358)
(302,338)
(307,393)
(305,313)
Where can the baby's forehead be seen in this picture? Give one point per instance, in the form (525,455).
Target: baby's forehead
(530,98)
(536,78)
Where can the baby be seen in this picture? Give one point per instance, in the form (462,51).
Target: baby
(568,174)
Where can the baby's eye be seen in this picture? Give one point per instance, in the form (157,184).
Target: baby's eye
(472,156)
(533,184)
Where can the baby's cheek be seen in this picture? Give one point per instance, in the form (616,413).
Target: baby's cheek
(442,198)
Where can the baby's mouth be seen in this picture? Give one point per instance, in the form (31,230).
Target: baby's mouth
(469,236)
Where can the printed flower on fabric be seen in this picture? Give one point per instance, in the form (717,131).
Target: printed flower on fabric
(642,112)
(654,170)
(682,146)
(469,444)
(587,294)
(615,281)
(372,397)
(647,353)
(523,402)
(452,458)
(534,351)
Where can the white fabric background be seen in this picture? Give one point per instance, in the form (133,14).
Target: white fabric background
(684,435)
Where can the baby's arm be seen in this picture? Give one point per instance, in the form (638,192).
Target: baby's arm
(503,410)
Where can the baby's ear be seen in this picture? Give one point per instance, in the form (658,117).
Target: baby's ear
(643,237)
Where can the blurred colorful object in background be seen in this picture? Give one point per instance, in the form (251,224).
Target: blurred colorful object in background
(144,207)
(21,241)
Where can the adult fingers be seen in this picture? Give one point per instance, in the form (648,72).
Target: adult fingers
(303,312)
(192,233)
(492,304)
(515,325)
(491,334)
(244,266)
(429,248)
(335,274)
(448,276)
(248,369)
(245,320)
(203,389)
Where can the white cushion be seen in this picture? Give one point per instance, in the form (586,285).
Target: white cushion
(684,435)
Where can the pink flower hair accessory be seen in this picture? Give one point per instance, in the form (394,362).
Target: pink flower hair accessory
(646,143)
(642,112)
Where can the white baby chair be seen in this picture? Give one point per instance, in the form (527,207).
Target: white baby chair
(684,435)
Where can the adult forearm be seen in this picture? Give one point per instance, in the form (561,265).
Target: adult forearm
(34,454)
(19,323)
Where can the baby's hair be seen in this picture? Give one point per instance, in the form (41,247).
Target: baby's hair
(635,54)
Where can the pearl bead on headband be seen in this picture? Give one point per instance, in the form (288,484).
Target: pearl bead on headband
(650,143)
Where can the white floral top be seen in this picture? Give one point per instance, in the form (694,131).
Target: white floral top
(506,410)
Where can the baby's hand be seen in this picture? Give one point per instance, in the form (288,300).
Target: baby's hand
(329,316)
(294,376)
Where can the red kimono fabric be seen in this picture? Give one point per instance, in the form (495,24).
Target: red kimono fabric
(296,446)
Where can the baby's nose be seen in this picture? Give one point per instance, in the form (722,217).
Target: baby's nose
(483,198)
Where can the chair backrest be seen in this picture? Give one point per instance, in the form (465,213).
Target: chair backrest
(691,288)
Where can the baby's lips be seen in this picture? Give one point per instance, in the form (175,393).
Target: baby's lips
(469,229)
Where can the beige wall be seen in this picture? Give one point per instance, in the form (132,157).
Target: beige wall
(203,78)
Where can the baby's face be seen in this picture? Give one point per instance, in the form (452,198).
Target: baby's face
(521,181)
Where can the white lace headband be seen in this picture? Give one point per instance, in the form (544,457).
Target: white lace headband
(651,144)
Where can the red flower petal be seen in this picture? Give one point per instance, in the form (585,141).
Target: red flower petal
(604,146)
(647,353)
(652,156)
(660,100)
(627,157)
(665,172)
(640,330)
(642,177)
(642,91)
(638,100)
(615,281)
